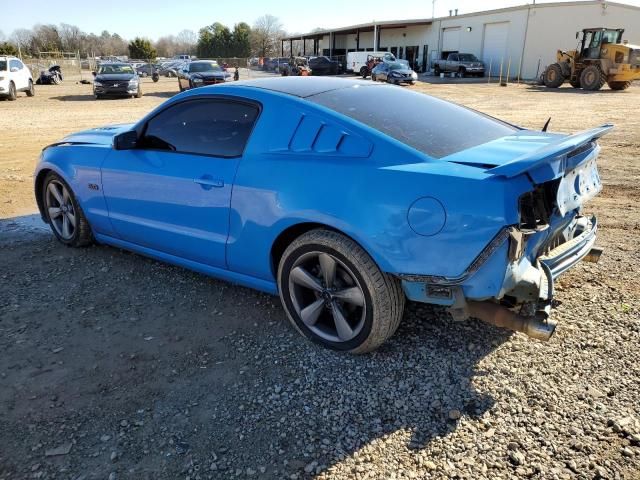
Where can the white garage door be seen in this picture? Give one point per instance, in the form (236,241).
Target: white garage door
(451,39)
(494,50)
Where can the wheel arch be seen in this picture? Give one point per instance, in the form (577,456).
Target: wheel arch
(38,184)
(289,234)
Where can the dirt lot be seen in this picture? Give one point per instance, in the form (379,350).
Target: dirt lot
(114,366)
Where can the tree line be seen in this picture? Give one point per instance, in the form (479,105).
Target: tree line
(215,41)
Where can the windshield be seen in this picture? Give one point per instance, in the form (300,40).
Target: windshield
(398,66)
(440,129)
(610,36)
(468,57)
(116,69)
(204,67)
(3,65)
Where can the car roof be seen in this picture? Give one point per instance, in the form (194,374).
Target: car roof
(303,86)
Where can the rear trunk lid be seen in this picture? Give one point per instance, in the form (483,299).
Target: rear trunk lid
(568,162)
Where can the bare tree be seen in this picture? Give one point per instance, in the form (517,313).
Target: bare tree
(45,38)
(166,46)
(71,37)
(186,41)
(22,38)
(265,36)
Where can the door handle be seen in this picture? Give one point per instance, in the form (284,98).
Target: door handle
(207,181)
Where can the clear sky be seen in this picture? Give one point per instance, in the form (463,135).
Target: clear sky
(155,18)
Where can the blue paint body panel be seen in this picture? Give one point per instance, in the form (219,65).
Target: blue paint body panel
(306,164)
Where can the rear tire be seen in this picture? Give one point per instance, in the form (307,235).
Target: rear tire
(31,90)
(619,85)
(462,72)
(348,304)
(592,78)
(436,70)
(553,76)
(12,92)
(63,213)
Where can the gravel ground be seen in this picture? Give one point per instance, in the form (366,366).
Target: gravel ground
(114,366)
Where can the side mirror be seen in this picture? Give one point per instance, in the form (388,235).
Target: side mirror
(125,140)
(94,73)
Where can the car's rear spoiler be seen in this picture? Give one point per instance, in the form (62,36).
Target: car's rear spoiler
(550,156)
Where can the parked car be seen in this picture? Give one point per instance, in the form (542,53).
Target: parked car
(393,72)
(200,73)
(361,63)
(461,63)
(51,76)
(147,69)
(324,66)
(116,80)
(371,206)
(14,77)
(170,69)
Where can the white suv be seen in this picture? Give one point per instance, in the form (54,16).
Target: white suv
(14,77)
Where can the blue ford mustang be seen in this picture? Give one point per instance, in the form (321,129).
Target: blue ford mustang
(344,198)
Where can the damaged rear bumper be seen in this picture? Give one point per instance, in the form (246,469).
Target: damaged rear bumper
(525,301)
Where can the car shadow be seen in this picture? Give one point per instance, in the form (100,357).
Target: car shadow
(166,94)
(132,348)
(74,98)
(566,89)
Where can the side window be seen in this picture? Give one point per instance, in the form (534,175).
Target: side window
(219,128)
(16,64)
(454,57)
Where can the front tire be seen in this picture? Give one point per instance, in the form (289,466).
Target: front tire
(31,90)
(374,78)
(364,72)
(553,76)
(63,213)
(335,294)
(139,92)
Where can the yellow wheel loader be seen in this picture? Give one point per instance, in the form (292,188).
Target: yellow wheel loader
(601,57)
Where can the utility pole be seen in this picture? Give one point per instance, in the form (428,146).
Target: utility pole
(433,9)
(375,36)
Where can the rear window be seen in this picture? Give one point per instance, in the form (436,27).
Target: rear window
(432,126)
(3,65)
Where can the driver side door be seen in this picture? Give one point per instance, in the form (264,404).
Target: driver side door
(172,192)
(383,72)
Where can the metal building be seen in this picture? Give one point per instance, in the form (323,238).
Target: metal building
(522,39)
